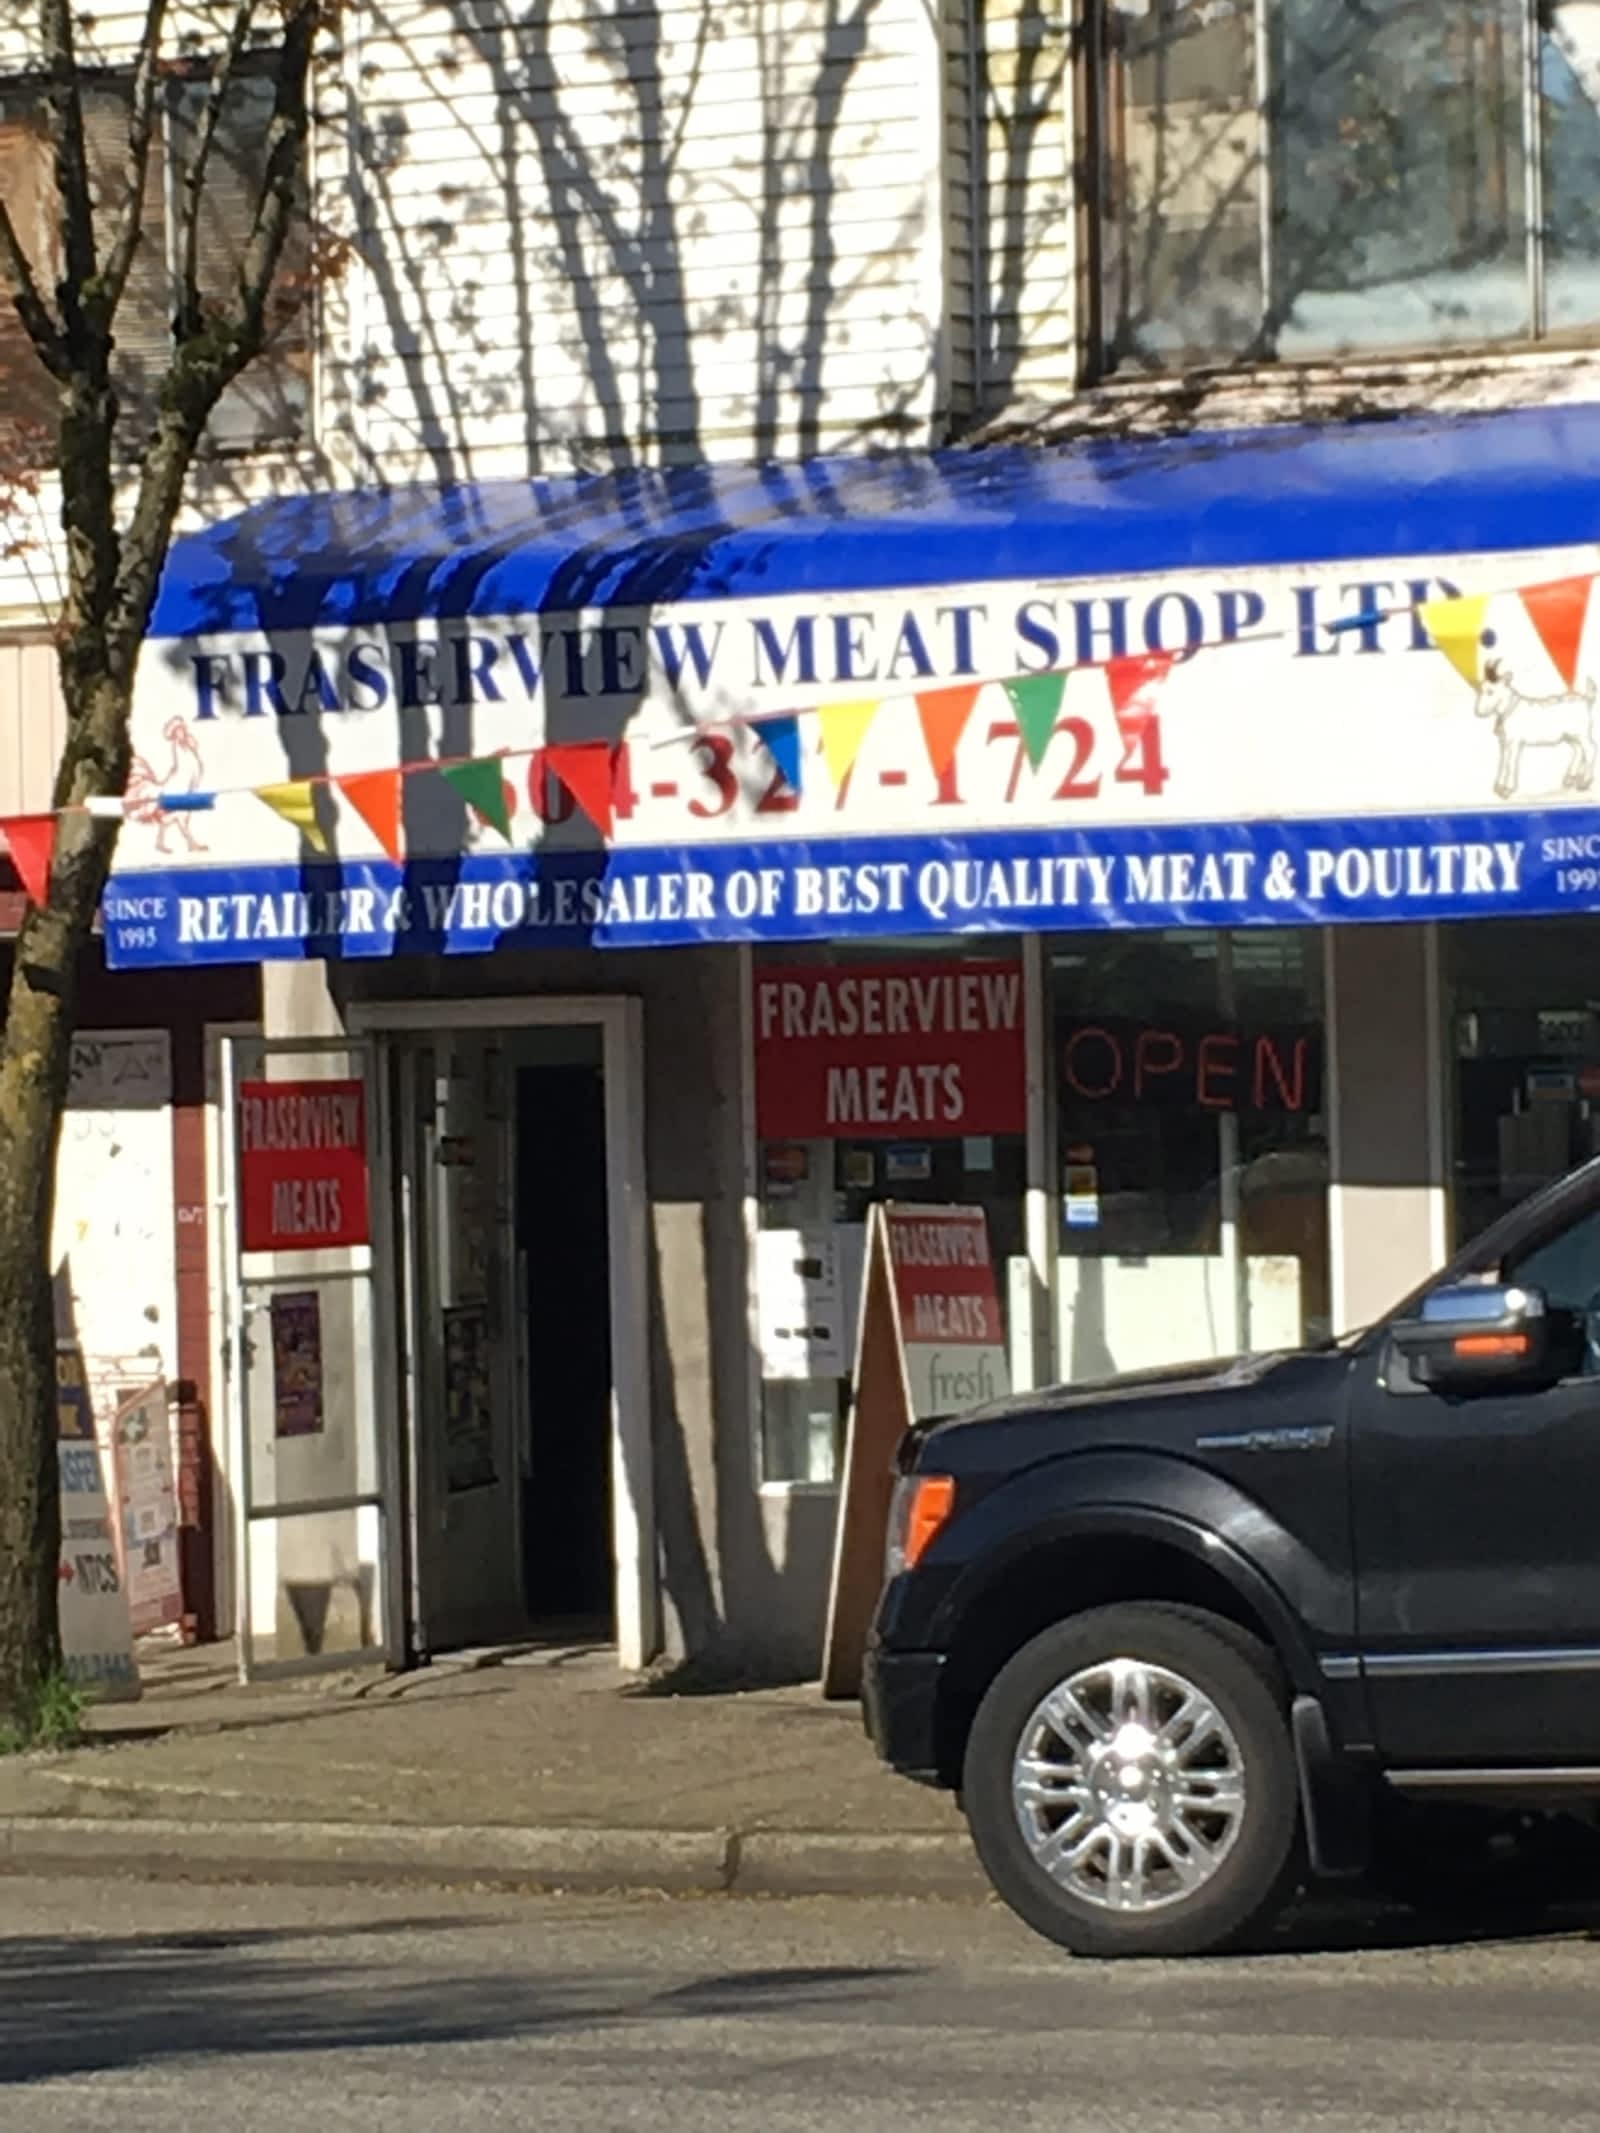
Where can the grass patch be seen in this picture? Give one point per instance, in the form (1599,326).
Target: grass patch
(52,1718)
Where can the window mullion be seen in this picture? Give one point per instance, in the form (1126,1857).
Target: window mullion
(1533,166)
(1266,155)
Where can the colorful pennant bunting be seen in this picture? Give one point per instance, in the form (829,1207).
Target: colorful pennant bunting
(1036,699)
(296,802)
(781,739)
(1456,627)
(587,770)
(481,783)
(944,714)
(844,728)
(375,796)
(32,842)
(1558,612)
(1135,676)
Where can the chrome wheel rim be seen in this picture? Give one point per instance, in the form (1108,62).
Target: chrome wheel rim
(1128,1786)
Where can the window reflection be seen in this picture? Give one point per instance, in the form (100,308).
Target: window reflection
(1194,1157)
(1306,178)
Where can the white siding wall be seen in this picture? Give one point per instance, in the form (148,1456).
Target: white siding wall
(1030,350)
(696,229)
(589,233)
(32,724)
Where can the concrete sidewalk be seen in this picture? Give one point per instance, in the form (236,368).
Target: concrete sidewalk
(543,1767)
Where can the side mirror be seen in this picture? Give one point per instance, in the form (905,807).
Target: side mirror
(1474,1336)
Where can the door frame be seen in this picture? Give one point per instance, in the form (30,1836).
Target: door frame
(620,1020)
(227,1282)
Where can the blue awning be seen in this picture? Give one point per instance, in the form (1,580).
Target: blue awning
(1408,487)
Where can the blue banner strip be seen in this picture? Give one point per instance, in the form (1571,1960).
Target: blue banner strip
(1232,874)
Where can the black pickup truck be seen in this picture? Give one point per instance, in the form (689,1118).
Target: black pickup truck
(1180,1639)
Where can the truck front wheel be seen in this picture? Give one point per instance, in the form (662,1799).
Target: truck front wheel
(1130,1783)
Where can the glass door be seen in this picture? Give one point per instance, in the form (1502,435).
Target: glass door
(313,1464)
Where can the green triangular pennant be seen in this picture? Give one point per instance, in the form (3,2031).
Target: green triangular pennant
(1036,699)
(481,783)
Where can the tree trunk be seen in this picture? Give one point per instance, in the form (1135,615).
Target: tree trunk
(35,1068)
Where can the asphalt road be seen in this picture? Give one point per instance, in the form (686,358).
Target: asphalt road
(132,2007)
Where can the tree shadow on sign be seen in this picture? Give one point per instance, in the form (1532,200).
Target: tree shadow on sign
(73,2004)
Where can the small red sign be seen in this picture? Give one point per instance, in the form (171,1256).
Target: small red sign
(943,1276)
(302,1165)
(889,1051)
(950,1325)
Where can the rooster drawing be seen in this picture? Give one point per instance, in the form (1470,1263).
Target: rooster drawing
(145,791)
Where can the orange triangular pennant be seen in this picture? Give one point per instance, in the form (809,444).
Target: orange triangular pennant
(944,714)
(587,769)
(375,796)
(32,840)
(1558,612)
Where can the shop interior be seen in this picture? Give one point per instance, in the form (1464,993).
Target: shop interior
(507,1316)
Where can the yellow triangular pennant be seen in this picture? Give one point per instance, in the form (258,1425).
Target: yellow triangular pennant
(296,802)
(1456,627)
(844,728)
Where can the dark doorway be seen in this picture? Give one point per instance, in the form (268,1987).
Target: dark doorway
(567,1565)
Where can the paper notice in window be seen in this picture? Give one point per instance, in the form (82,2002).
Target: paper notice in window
(800,1304)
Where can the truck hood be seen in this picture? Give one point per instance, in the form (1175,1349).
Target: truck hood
(1234,1372)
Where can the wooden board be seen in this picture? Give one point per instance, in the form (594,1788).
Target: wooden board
(880,1414)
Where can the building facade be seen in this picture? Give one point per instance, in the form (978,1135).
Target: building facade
(1025,579)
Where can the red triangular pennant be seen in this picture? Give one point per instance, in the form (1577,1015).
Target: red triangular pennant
(1558,612)
(944,714)
(32,842)
(375,796)
(585,768)
(1132,675)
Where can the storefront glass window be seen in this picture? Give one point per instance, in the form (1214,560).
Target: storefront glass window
(1525,1011)
(895,1072)
(1192,1147)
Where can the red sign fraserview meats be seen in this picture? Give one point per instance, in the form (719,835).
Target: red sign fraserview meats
(302,1166)
(886,1051)
(949,1307)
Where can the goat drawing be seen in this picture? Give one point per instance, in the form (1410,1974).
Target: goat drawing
(1537,722)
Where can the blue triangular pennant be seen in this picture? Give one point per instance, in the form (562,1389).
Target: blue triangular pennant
(781,739)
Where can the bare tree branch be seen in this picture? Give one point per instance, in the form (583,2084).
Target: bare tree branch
(22,288)
(64,107)
(136,165)
(209,357)
(280,198)
(190,311)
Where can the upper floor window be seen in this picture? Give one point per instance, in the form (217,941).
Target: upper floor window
(1299,179)
(268,403)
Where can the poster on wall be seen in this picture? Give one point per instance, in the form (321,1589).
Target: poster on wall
(930,1341)
(889,1051)
(147,1510)
(297,1364)
(96,1631)
(468,1400)
(302,1166)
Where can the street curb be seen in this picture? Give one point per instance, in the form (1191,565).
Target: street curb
(674,1862)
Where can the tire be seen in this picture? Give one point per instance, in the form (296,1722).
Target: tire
(1180,1842)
